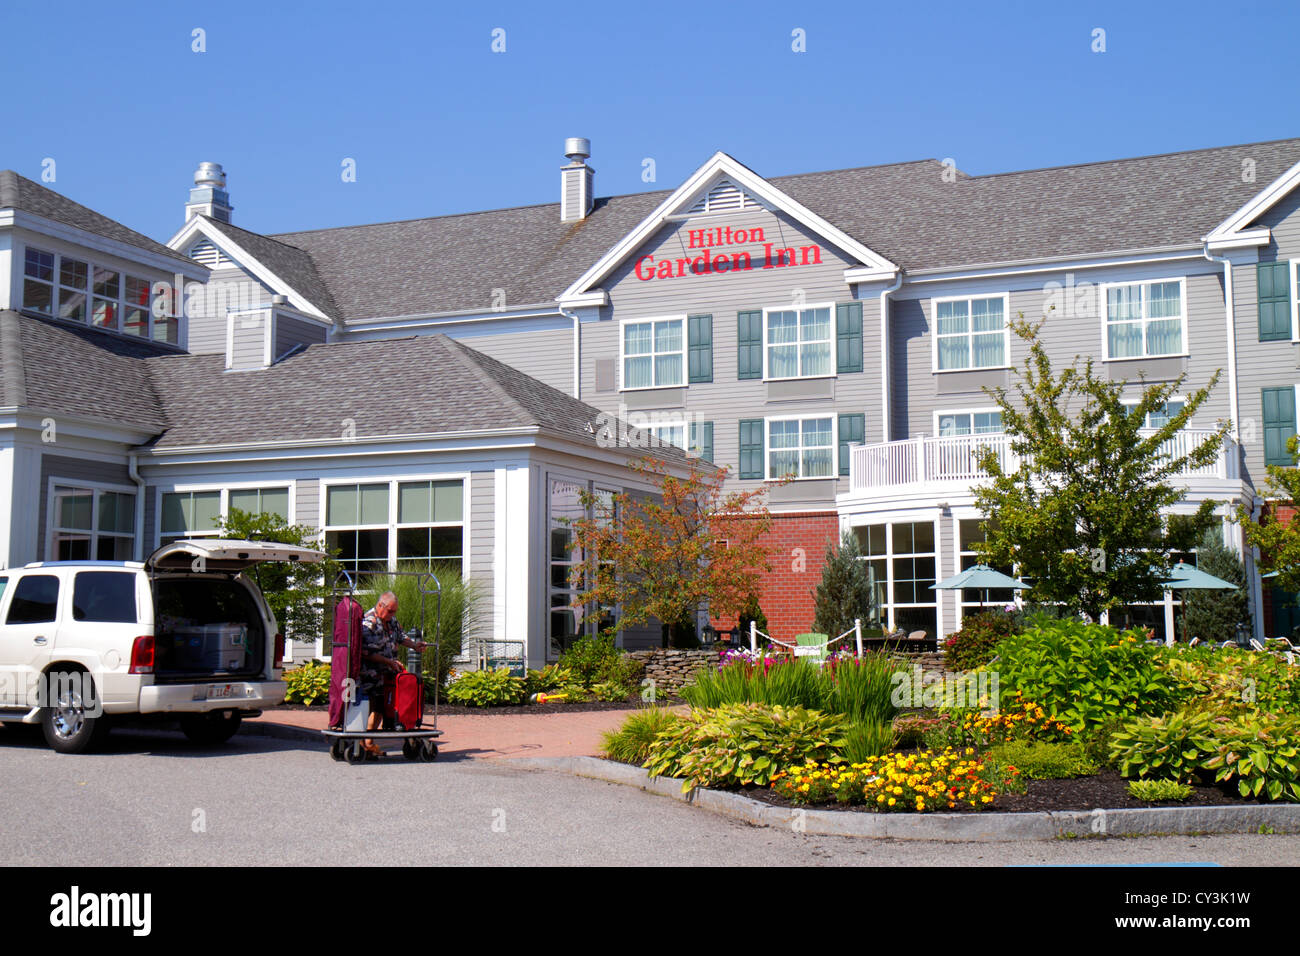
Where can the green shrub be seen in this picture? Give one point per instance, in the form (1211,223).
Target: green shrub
(547,680)
(1262,753)
(1171,747)
(738,744)
(611,691)
(487,688)
(631,742)
(844,592)
(595,660)
(307,684)
(974,645)
(1086,674)
(1041,760)
(864,740)
(1231,679)
(1158,791)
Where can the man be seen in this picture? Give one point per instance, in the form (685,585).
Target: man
(380,637)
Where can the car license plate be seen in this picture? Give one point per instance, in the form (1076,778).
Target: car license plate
(221,691)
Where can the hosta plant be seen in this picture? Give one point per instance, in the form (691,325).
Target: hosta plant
(740,744)
(1158,791)
(1262,754)
(1171,747)
(307,684)
(487,688)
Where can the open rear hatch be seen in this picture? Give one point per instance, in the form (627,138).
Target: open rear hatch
(208,624)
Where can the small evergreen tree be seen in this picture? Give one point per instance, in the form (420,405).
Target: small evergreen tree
(844,592)
(1214,615)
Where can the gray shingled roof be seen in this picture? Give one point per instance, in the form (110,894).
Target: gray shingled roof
(77,370)
(906,212)
(19,192)
(419,385)
(291,264)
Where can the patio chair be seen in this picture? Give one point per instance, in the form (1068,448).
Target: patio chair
(812,645)
(1193,642)
(1256,645)
(918,639)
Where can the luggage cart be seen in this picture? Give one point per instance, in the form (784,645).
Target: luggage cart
(418,742)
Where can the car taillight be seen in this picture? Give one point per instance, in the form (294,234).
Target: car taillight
(279,649)
(142,655)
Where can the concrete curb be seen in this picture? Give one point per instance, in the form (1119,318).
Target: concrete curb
(962,827)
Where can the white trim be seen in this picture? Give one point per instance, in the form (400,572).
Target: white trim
(831,340)
(652,354)
(183,265)
(834,447)
(93,486)
(392,527)
(970,331)
(1104,308)
(997,270)
(1242,240)
(1293,274)
(223,488)
(1263,201)
(245,260)
(719,165)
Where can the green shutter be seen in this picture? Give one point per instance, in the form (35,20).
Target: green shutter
(751,448)
(848,337)
(749,344)
(702,439)
(853,429)
(699,346)
(1273,283)
(1279,425)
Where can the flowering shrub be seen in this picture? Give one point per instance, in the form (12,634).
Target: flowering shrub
(897,782)
(973,646)
(743,655)
(1021,720)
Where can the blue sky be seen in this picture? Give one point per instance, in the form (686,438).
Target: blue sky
(439,123)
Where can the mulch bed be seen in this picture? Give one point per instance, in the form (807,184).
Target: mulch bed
(1107,790)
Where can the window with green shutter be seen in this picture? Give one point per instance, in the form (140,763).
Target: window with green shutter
(1273,284)
(699,346)
(751,448)
(749,344)
(848,337)
(1279,424)
(702,439)
(853,430)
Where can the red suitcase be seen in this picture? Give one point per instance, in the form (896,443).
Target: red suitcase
(405,701)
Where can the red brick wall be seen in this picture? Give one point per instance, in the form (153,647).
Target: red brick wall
(796,551)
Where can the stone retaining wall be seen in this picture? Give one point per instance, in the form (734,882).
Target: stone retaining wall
(671,668)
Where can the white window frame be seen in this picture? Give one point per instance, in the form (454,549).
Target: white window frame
(393,481)
(224,490)
(968,299)
(51,525)
(622,356)
(887,611)
(1294,266)
(834,446)
(120,303)
(1103,296)
(982,410)
(830,306)
(1128,402)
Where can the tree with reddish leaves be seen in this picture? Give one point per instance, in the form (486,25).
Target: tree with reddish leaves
(666,554)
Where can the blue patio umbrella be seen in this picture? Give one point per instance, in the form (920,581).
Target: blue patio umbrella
(1184,577)
(981,577)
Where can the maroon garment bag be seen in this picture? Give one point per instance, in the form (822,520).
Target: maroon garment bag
(345,659)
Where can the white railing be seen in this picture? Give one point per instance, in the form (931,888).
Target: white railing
(917,461)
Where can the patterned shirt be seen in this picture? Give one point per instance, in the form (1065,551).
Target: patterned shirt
(378,637)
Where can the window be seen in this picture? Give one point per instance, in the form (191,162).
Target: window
(970,333)
(804,447)
(190,514)
(356,519)
(670,434)
(901,560)
(653,353)
(968,423)
(798,342)
(84,292)
(36,600)
(1144,319)
(429,522)
(258,501)
(89,524)
(377,525)
(971,533)
(104,596)
(565,621)
(1159,417)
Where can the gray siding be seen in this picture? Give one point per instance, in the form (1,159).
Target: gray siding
(73,470)
(481,554)
(248,340)
(727,400)
(545,355)
(229,288)
(290,331)
(307,503)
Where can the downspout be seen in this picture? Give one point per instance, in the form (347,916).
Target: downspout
(884,354)
(133,470)
(577,351)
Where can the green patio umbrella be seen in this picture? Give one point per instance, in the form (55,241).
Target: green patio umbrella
(981,577)
(1184,577)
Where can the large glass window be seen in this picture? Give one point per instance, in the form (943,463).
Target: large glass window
(970,333)
(85,292)
(1144,319)
(653,353)
(429,523)
(969,423)
(357,524)
(901,558)
(565,621)
(425,524)
(804,447)
(970,533)
(258,501)
(799,342)
(190,514)
(92,525)
(38,281)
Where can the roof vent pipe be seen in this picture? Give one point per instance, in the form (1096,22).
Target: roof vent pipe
(576,180)
(209,197)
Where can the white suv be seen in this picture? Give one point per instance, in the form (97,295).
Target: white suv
(184,633)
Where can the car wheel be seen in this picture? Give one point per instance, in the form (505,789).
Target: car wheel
(68,726)
(210,729)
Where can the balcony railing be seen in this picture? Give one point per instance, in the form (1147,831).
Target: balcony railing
(924,461)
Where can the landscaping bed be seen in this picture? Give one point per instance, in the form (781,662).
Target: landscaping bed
(558,707)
